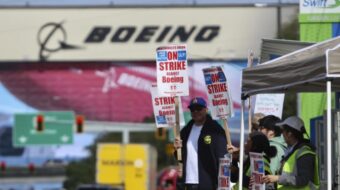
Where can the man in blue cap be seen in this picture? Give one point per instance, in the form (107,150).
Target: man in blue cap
(203,142)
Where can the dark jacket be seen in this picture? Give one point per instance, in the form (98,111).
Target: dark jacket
(208,152)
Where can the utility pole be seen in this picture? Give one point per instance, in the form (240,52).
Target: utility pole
(279,19)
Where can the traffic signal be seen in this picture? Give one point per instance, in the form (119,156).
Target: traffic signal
(40,123)
(160,133)
(3,166)
(80,123)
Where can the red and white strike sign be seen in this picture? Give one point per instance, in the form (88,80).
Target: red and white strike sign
(164,109)
(257,170)
(172,71)
(219,95)
(224,173)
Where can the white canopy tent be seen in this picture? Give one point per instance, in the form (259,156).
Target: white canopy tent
(315,68)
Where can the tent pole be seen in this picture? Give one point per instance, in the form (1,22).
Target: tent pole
(329,136)
(241,146)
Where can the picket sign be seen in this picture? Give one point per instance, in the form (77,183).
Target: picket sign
(173,80)
(224,173)
(257,170)
(164,108)
(221,104)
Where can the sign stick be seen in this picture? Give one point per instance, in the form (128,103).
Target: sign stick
(177,127)
(227,132)
(177,134)
(172,54)
(250,64)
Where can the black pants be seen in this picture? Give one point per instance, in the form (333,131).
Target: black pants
(191,186)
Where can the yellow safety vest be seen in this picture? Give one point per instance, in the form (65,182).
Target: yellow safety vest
(289,168)
(266,168)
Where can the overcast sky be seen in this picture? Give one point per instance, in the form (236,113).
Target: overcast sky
(137,2)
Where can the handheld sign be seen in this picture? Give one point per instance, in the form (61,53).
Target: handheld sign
(172,79)
(269,104)
(224,173)
(221,104)
(257,170)
(218,92)
(172,71)
(164,108)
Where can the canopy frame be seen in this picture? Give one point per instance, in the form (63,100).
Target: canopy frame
(313,69)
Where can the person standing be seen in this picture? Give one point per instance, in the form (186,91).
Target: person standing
(299,166)
(257,142)
(255,121)
(268,127)
(202,141)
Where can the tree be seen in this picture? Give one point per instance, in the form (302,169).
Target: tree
(80,172)
(290,31)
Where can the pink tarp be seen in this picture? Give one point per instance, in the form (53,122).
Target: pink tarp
(101,91)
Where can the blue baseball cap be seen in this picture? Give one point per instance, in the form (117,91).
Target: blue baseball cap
(197,101)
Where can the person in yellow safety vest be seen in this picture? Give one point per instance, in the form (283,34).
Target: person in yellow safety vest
(259,143)
(299,166)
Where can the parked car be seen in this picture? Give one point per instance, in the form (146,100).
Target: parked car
(167,178)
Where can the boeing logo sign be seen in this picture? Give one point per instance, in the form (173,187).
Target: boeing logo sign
(158,34)
(132,34)
(52,38)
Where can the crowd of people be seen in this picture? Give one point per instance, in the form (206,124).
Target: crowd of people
(290,160)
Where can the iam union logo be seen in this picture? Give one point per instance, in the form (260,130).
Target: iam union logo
(52,38)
